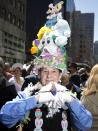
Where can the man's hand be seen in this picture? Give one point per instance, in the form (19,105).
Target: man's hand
(64,97)
(44,97)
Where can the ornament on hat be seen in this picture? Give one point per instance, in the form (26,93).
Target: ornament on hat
(34,49)
(54,9)
(52,37)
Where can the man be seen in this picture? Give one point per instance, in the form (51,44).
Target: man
(24,103)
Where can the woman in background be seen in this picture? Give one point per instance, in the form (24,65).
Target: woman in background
(17,78)
(90,96)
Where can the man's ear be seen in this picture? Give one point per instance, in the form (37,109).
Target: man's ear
(60,76)
(39,72)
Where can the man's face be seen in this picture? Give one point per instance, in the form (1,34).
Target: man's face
(49,74)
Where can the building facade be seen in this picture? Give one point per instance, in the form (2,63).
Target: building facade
(82,40)
(12,30)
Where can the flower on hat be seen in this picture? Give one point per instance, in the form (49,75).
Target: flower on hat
(34,48)
(42,31)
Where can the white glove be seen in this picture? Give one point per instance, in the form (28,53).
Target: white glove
(64,97)
(53,85)
(44,97)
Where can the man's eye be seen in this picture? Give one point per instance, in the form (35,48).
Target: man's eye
(45,71)
(54,71)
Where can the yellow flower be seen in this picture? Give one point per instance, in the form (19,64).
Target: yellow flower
(34,48)
(42,31)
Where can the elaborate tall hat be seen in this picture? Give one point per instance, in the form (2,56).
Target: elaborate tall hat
(49,47)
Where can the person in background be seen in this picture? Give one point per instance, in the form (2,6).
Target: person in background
(7,91)
(83,75)
(65,79)
(7,70)
(17,79)
(75,79)
(90,96)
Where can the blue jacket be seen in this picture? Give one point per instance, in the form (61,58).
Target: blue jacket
(14,111)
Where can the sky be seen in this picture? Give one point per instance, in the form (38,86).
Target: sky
(89,6)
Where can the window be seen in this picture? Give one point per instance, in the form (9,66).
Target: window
(80,46)
(19,5)
(9,17)
(19,23)
(14,3)
(5,40)
(11,2)
(14,20)
(3,13)
(22,25)
(22,9)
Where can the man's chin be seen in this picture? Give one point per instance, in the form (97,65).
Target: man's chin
(49,81)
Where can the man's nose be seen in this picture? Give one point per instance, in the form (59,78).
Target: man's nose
(49,74)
